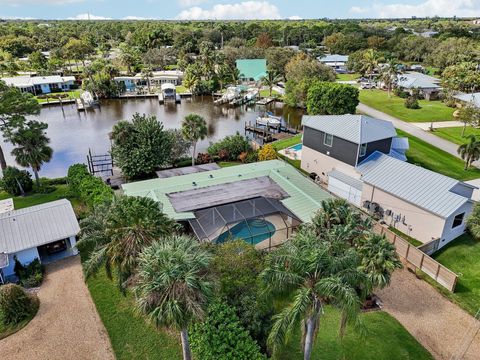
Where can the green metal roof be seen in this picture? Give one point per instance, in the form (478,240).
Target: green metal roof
(304,199)
(252,68)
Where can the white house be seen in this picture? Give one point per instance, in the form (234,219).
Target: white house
(472,99)
(41,84)
(46,232)
(362,160)
(337,62)
(428,86)
(157,78)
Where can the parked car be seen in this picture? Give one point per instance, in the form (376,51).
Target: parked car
(367,85)
(56,247)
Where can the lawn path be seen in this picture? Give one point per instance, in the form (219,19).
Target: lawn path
(438,324)
(436,141)
(67,325)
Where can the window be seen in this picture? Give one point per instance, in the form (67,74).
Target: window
(363,150)
(458,220)
(328,139)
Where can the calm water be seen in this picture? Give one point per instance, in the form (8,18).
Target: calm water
(73,133)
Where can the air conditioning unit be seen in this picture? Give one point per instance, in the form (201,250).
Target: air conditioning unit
(388,212)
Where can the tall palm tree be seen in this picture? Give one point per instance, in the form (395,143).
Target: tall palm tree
(315,273)
(32,148)
(147,73)
(389,75)
(172,286)
(194,128)
(470,151)
(270,80)
(370,62)
(118,233)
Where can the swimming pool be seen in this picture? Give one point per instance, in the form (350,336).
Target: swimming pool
(297,147)
(252,231)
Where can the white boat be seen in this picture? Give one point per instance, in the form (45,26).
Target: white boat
(267,120)
(251,94)
(231,93)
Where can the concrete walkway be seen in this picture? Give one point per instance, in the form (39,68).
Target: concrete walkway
(67,325)
(438,324)
(440,143)
(438,124)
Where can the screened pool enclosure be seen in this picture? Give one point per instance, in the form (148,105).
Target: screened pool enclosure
(261,221)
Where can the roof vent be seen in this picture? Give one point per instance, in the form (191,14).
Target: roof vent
(210,176)
(194,183)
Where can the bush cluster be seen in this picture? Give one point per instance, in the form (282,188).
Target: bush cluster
(87,187)
(411,102)
(16,305)
(267,152)
(30,275)
(325,98)
(14,180)
(229,148)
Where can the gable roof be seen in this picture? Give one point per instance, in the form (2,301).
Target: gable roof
(424,188)
(37,225)
(333,58)
(304,196)
(359,129)
(414,79)
(473,99)
(252,68)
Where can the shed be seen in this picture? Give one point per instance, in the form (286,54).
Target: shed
(47,232)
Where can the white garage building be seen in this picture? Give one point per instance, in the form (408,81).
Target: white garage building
(47,232)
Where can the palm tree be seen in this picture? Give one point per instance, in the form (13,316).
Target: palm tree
(270,80)
(389,75)
(315,273)
(194,128)
(119,231)
(147,73)
(470,151)
(370,61)
(172,287)
(32,146)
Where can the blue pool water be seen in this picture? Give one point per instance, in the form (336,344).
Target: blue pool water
(297,147)
(252,231)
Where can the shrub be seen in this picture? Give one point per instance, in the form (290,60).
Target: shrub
(87,187)
(15,304)
(325,98)
(267,152)
(252,157)
(202,158)
(232,145)
(412,103)
(400,93)
(221,336)
(30,275)
(14,178)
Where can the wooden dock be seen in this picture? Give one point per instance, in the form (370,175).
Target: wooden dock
(265,101)
(58,102)
(136,96)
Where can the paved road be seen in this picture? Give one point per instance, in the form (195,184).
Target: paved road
(438,324)
(67,325)
(445,145)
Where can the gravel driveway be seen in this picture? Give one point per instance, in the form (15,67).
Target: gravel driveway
(438,324)
(66,326)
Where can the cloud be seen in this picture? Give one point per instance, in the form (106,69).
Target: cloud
(295,17)
(132,17)
(39,2)
(87,16)
(428,8)
(190,3)
(247,10)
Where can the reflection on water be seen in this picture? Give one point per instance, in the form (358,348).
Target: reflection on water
(73,133)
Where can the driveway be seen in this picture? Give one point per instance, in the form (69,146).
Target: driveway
(439,325)
(67,325)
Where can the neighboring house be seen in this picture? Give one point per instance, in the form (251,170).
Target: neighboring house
(472,99)
(428,33)
(428,86)
(261,203)
(362,160)
(337,62)
(46,232)
(158,78)
(41,84)
(251,70)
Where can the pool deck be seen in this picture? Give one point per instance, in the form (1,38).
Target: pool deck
(291,153)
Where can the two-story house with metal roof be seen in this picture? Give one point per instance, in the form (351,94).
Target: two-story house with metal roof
(362,160)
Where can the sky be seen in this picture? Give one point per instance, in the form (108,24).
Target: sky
(234,9)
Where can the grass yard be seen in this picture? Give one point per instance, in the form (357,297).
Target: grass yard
(285,143)
(454,134)
(130,335)
(61,192)
(462,257)
(74,94)
(394,106)
(348,77)
(385,339)
(181,89)
(266,93)
(432,158)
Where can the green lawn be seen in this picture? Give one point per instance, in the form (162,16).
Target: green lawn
(394,106)
(285,143)
(432,158)
(462,256)
(454,134)
(266,93)
(347,77)
(20,202)
(130,335)
(74,94)
(181,89)
(385,339)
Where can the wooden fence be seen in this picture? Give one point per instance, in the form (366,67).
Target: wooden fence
(419,259)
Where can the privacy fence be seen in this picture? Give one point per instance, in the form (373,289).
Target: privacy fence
(420,260)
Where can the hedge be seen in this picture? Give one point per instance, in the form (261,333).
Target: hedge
(87,187)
